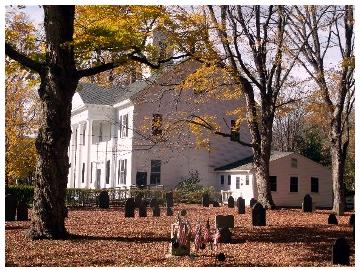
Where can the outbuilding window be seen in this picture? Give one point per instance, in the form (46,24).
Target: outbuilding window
(237,182)
(315,184)
(229,180)
(247,180)
(294,184)
(273,183)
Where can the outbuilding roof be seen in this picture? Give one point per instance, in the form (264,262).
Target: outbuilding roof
(247,163)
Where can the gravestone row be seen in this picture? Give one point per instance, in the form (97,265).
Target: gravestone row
(130,206)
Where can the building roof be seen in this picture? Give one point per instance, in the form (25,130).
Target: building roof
(92,93)
(247,163)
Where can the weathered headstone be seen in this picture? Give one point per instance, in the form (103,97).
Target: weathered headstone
(205,200)
(307,204)
(156,211)
(240,203)
(130,208)
(352,219)
(231,202)
(216,204)
(224,223)
(169,211)
(153,202)
(341,252)
(142,209)
(22,213)
(332,219)
(169,199)
(138,200)
(252,202)
(258,215)
(103,199)
(10,207)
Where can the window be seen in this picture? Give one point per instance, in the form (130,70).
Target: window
(156,124)
(237,182)
(235,136)
(83,173)
(122,171)
(314,184)
(222,179)
(91,169)
(273,183)
(125,125)
(247,180)
(101,133)
(293,163)
(293,184)
(155,172)
(107,175)
(229,180)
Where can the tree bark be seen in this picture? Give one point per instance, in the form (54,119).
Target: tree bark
(58,84)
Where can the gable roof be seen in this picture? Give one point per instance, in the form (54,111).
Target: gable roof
(247,163)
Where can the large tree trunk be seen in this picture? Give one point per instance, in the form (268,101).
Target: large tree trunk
(58,84)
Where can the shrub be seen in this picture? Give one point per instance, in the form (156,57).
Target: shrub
(22,192)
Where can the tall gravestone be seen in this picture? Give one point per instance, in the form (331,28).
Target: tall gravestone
(240,203)
(169,199)
(258,215)
(307,204)
(10,207)
(332,219)
(341,252)
(142,209)
(22,211)
(205,200)
(130,208)
(253,201)
(104,200)
(156,211)
(231,202)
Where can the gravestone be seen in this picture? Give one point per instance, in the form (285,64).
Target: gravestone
(253,201)
(156,211)
(22,213)
(258,215)
(307,204)
(240,203)
(332,219)
(10,207)
(216,204)
(103,199)
(169,211)
(231,202)
(205,200)
(169,199)
(352,220)
(138,200)
(142,209)
(341,252)
(130,208)
(153,202)
(224,223)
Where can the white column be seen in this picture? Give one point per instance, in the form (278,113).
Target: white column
(88,144)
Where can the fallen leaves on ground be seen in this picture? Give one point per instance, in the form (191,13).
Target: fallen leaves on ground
(106,238)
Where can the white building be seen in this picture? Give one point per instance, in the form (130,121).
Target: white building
(292,176)
(120,136)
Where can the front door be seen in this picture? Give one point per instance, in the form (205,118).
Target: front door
(141,178)
(98,176)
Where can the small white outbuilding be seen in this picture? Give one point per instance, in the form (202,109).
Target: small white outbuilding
(292,176)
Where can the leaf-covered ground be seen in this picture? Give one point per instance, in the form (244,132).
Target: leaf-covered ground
(106,238)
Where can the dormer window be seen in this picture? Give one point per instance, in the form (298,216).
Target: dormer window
(124,125)
(156,124)
(235,135)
